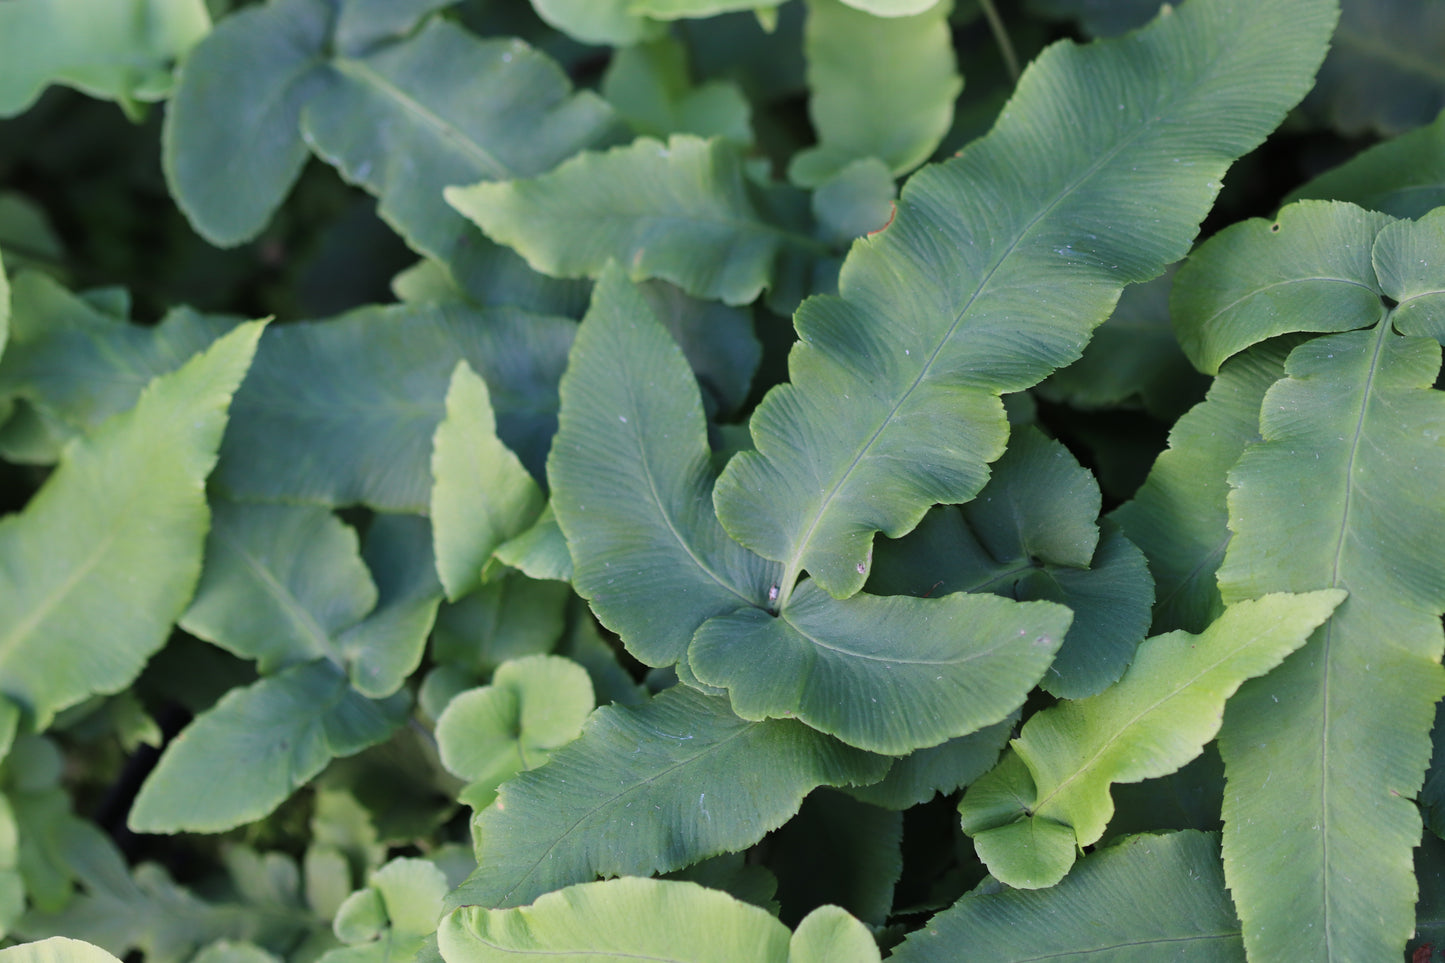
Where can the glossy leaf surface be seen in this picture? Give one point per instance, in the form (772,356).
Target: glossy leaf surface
(984,298)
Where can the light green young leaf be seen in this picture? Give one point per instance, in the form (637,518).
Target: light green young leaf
(82,365)
(444,107)
(533,706)
(56,949)
(481,495)
(830,934)
(507,618)
(121,50)
(1325,756)
(400,905)
(647,552)
(1403,176)
(1308,270)
(365,392)
(230,951)
(12,881)
(1032,534)
(678,211)
(279,583)
(598,21)
(231,147)
(880,88)
(651,789)
(103,560)
(618,920)
(241,759)
(1127,902)
(1156,719)
(996,268)
(1179,517)
(540,552)
(650,86)
(887,674)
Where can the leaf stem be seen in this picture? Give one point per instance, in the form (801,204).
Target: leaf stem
(1001,37)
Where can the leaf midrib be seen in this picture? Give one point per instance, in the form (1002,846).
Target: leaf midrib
(793,564)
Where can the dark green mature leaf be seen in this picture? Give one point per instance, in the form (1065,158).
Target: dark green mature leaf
(443,107)
(103,559)
(716,339)
(1403,176)
(1100,18)
(879,87)
(1133,359)
(1430,910)
(1325,755)
(259,744)
(343,411)
(82,365)
(1383,72)
(997,266)
(1179,517)
(678,211)
(1156,719)
(647,552)
(382,650)
(481,495)
(1308,270)
(888,674)
(841,851)
(121,49)
(919,776)
(1032,534)
(232,144)
(361,23)
(280,581)
(651,789)
(505,619)
(1141,900)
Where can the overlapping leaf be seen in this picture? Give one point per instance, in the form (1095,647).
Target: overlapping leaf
(343,411)
(1031,534)
(481,495)
(1358,425)
(1403,176)
(56,949)
(650,86)
(879,87)
(678,211)
(1050,796)
(998,265)
(259,744)
(1179,517)
(885,674)
(232,143)
(532,707)
(1137,900)
(103,559)
(443,107)
(631,474)
(81,364)
(629,919)
(651,789)
(120,49)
